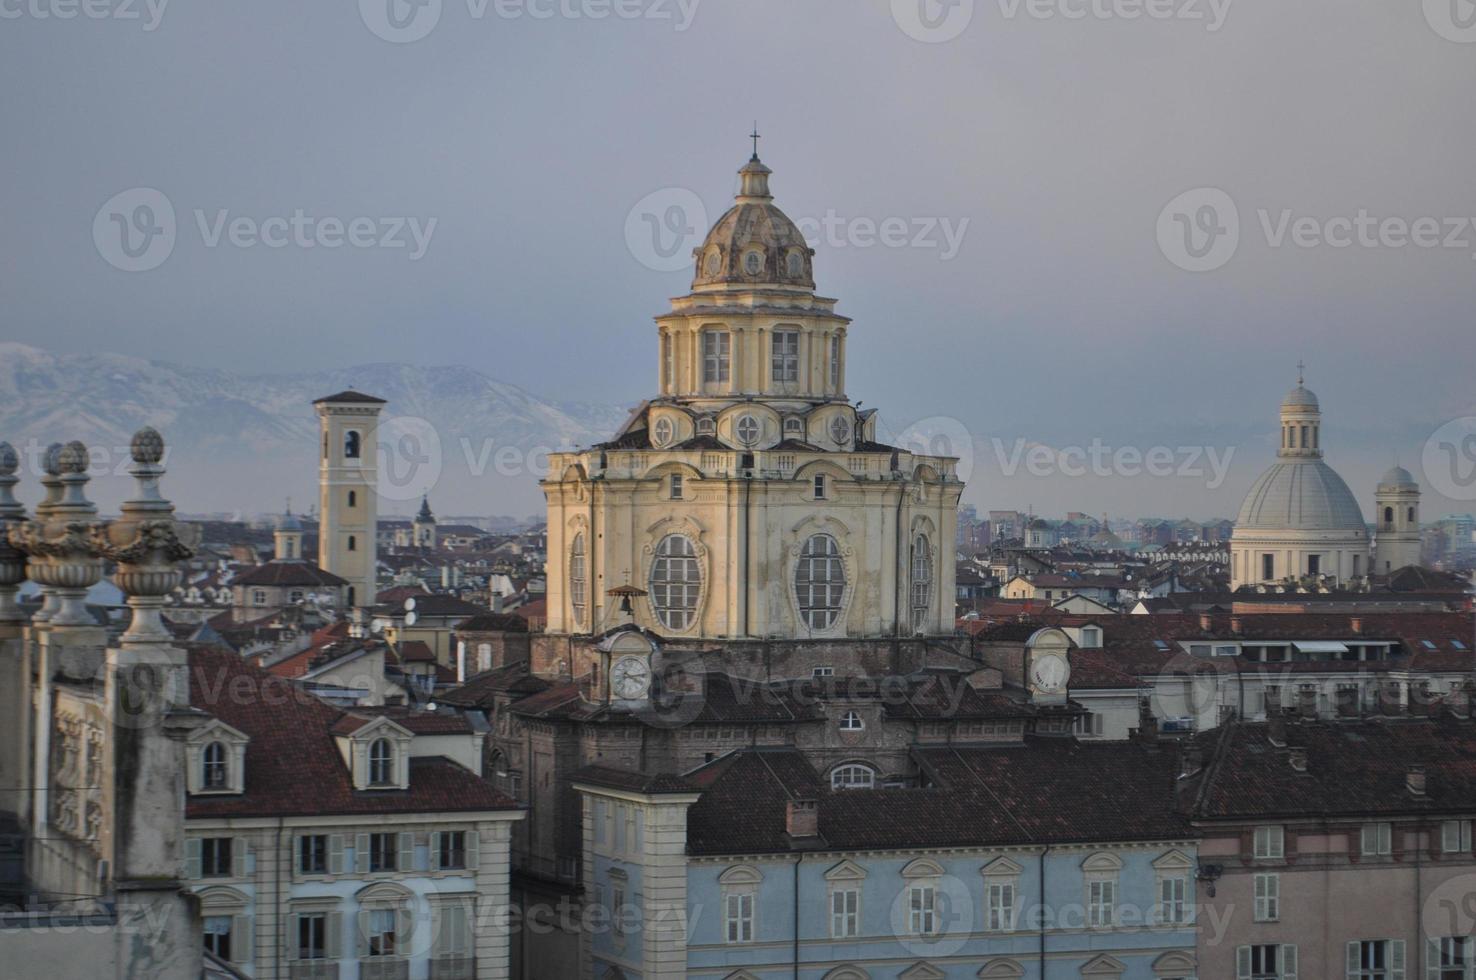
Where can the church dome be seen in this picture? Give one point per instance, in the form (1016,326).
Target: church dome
(1299,397)
(1398,476)
(1301,495)
(289,522)
(754,243)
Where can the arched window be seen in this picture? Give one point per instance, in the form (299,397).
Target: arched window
(353,498)
(851,722)
(796,265)
(676,582)
(353,543)
(577,579)
(706,426)
(1388,515)
(852,775)
(820,582)
(351,444)
(381,763)
(922,580)
(1410,517)
(216,772)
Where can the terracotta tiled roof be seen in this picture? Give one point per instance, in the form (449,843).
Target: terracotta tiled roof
(287,573)
(293,767)
(481,691)
(493,623)
(416,651)
(351,396)
(417,722)
(635,782)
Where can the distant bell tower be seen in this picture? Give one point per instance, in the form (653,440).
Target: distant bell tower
(348,500)
(424,526)
(1397,519)
(288,537)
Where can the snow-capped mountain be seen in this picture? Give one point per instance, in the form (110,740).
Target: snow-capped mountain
(246,441)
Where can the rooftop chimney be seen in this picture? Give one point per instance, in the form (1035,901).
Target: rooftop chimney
(802,818)
(1356,624)
(1206,622)
(1414,780)
(1191,759)
(1236,624)
(1296,755)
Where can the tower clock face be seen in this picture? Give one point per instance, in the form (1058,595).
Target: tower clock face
(1049,673)
(630,678)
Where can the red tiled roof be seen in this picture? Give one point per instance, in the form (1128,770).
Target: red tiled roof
(293,767)
(416,651)
(288,573)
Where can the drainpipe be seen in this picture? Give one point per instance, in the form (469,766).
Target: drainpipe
(797,859)
(1046,850)
(281,927)
(747,540)
(1420,945)
(899,566)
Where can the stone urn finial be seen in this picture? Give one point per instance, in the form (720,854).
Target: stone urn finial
(12,561)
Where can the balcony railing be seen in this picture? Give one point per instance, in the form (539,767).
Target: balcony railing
(312,970)
(383,968)
(453,968)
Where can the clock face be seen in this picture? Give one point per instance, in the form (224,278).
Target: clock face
(1049,673)
(629,678)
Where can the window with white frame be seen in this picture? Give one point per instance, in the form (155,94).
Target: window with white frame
(216,767)
(1455,836)
(1377,839)
(676,582)
(313,852)
(1266,961)
(1270,842)
(451,851)
(786,355)
(226,924)
(452,939)
(740,893)
(218,933)
(1268,897)
(999,904)
(819,484)
(1173,900)
(313,936)
(850,721)
(382,932)
(577,582)
(820,581)
(922,908)
(852,775)
(715,356)
(384,852)
(1375,959)
(1101,872)
(674,486)
(217,857)
(845,912)
(1451,958)
(381,762)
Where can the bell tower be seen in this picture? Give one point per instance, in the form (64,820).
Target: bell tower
(1397,517)
(348,501)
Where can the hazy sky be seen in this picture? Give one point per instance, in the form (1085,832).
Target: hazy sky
(1059,140)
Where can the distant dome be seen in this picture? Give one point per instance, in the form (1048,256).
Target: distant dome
(1301,495)
(289,522)
(754,243)
(1299,397)
(1398,477)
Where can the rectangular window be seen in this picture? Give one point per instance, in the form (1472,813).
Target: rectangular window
(820,486)
(922,910)
(1266,962)
(215,857)
(451,849)
(1000,907)
(1452,958)
(786,355)
(676,486)
(382,852)
(715,367)
(739,914)
(1268,897)
(1376,959)
(312,854)
(1377,839)
(845,913)
(312,936)
(1455,837)
(218,935)
(823,672)
(1314,564)
(1268,567)
(617,912)
(1173,907)
(380,929)
(1101,903)
(1270,842)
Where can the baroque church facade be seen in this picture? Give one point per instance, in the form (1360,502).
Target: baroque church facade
(751,499)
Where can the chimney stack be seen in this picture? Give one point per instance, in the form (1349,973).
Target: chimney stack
(1307,704)
(1296,756)
(802,819)
(1356,624)
(1191,759)
(1236,624)
(1147,731)
(1414,780)
(1206,622)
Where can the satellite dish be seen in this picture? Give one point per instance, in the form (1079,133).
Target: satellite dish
(410,603)
(410,619)
(377,626)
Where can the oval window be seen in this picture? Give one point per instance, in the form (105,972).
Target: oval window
(840,430)
(662,433)
(748,430)
(753,263)
(676,582)
(820,582)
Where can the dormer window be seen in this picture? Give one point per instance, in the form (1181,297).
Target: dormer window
(753,262)
(216,766)
(381,763)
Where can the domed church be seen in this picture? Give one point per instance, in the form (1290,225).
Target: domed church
(1299,518)
(750,498)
